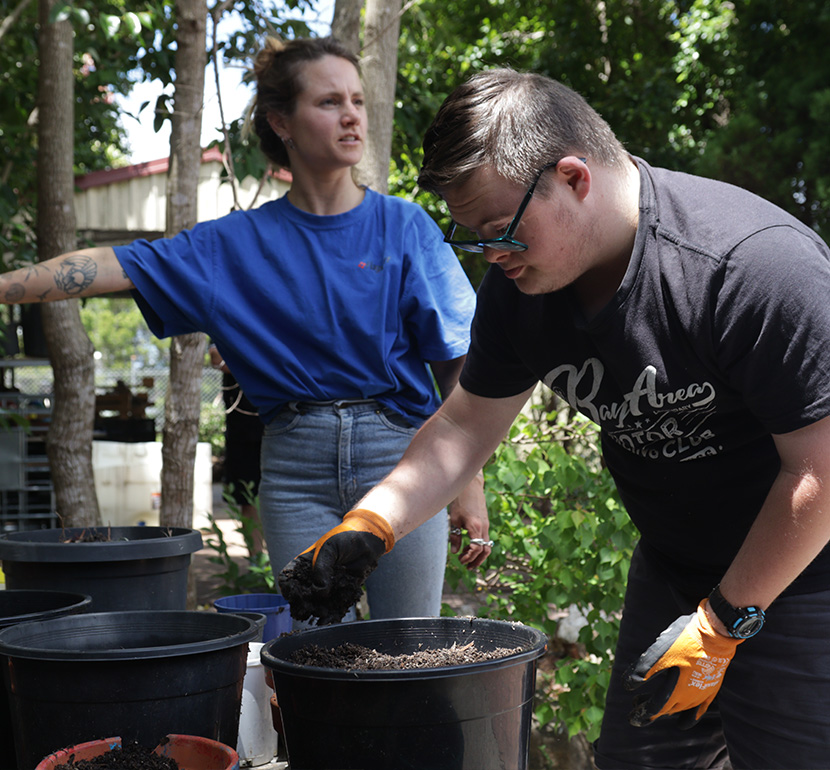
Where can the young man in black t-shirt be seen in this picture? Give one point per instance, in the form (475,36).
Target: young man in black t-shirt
(689,319)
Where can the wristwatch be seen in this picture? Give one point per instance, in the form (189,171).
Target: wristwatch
(740,622)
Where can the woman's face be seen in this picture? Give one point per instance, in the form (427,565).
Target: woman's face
(328,124)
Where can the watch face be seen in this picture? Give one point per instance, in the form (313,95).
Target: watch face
(747,627)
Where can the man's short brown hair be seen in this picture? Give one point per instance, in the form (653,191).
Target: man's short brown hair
(515,123)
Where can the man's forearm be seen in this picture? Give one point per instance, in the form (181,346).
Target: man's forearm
(84,273)
(444,456)
(793,525)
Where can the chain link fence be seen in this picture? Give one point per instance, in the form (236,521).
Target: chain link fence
(37,382)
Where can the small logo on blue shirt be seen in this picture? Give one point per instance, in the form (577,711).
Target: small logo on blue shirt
(373,265)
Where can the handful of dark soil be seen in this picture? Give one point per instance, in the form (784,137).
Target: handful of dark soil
(355,657)
(129,756)
(307,601)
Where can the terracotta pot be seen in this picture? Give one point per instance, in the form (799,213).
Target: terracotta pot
(190,752)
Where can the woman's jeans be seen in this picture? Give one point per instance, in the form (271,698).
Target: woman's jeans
(318,461)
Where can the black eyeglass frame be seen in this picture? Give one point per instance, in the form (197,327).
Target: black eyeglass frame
(504,242)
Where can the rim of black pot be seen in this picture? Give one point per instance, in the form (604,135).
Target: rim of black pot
(125,543)
(105,636)
(535,645)
(22,605)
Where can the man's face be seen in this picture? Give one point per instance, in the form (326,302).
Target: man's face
(551,226)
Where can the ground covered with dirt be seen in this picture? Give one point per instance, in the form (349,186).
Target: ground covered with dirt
(355,657)
(130,756)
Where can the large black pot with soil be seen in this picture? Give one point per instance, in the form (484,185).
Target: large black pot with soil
(473,716)
(135,568)
(23,607)
(141,675)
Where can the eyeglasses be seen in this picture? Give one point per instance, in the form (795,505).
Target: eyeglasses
(504,242)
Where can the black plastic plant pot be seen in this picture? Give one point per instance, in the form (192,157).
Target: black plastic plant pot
(135,568)
(468,717)
(140,675)
(22,607)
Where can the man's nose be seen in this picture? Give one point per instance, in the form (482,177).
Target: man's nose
(493,254)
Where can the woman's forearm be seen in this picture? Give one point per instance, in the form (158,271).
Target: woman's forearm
(84,273)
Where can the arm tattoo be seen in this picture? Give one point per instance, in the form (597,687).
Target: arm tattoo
(34,270)
(14,293)
(75,274)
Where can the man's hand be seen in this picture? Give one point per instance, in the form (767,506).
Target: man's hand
(325,580)
(686,666)
(469,512)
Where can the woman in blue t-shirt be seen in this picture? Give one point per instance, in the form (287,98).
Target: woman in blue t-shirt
(337,309)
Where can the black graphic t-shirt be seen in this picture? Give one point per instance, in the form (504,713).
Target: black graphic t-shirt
(718,337)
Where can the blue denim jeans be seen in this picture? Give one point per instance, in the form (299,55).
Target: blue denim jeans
(772,711)
(318,461)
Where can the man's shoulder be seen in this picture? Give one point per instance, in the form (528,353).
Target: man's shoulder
(713,216)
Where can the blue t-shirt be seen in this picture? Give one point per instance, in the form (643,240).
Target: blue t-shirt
(313,308)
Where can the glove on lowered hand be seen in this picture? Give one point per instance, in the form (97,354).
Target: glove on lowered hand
(325,580)
(686,664)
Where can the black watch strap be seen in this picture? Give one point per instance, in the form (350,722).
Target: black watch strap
(740,622)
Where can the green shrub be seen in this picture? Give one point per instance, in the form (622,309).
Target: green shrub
(255,574)
(561,538)
(212,426)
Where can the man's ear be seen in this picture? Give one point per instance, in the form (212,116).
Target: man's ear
(577,174)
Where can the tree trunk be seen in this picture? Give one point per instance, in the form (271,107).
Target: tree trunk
(69,441)
(183,402)
(345,24)
(380,68)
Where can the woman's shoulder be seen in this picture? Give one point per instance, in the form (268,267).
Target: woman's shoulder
(401,208)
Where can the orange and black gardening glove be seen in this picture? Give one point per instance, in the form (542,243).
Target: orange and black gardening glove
(324,581)
(685,667)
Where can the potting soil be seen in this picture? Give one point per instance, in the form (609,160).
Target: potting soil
(355,657)
(130,756)
(296,585)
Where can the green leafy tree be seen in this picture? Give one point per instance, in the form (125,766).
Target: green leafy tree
(118,331)
(774,139)
(659,71)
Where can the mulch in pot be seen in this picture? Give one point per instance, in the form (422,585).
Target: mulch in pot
(356,657)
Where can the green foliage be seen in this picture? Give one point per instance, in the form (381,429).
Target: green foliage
(119,333)
(561,538)
(774,141)
(732,90)
(212,426)
(255,576)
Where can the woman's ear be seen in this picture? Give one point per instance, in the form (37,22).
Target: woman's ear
(277,123)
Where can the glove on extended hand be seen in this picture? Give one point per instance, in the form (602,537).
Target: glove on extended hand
(325,580)
(687,664)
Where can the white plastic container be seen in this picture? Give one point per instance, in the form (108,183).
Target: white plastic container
(128,483)
(257,744)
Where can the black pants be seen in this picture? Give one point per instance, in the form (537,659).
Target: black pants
(773,710)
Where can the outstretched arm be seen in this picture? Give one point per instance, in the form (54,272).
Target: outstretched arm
(446,453)
(443,458)
(84,273)
(468,512)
